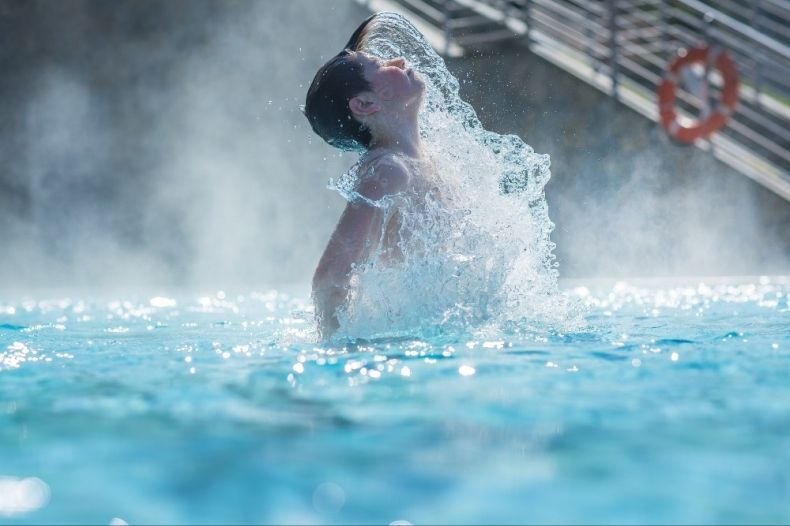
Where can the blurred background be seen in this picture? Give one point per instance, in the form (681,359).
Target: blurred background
(160,142)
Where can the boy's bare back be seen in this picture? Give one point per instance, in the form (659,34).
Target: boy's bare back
(370,227)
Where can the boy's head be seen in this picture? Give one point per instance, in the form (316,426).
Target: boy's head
(354,93)
(335,84)
(327,104)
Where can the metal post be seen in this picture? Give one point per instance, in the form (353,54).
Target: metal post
(446,27)
(665,38)
(528,22)
(588,49)
(612,5)
(707,100)
(757,59)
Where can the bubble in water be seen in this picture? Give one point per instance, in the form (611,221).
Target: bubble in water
(20,496)
(466,370)
(328,497)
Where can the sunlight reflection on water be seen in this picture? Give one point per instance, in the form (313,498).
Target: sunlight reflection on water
(228,398)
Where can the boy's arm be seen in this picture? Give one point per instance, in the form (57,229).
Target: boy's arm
(350,241)
(345,248)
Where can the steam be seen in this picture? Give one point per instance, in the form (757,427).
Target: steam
(172,155)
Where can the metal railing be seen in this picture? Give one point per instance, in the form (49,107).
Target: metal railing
(622,47)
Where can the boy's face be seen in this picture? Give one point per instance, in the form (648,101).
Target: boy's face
(391,80)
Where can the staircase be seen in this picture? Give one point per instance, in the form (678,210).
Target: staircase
(622,47)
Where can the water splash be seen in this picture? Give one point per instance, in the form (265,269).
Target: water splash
(477,250)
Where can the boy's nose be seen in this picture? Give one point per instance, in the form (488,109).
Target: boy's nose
(399,62)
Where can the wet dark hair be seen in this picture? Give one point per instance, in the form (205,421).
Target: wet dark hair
(335,84)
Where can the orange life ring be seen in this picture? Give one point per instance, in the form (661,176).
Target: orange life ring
(725,106)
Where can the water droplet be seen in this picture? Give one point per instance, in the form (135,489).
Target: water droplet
(466,370)
(20,496)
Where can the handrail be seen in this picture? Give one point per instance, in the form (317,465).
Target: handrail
(740,27)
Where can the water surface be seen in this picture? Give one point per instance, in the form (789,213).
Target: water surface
(672,404)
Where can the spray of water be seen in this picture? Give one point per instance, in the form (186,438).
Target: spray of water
(475,240)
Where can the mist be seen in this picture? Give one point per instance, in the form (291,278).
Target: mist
(160,143)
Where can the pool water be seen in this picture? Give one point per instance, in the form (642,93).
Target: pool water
(671,404)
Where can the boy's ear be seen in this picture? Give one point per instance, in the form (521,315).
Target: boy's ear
(363,106)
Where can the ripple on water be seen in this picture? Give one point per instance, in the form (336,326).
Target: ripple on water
(433,420)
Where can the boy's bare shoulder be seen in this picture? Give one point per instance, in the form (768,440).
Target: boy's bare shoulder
(385,174)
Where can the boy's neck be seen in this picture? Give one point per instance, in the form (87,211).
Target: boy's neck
(404,139)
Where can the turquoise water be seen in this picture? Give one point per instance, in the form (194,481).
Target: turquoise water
(671,404)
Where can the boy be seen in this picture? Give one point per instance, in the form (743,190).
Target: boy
(359,102)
